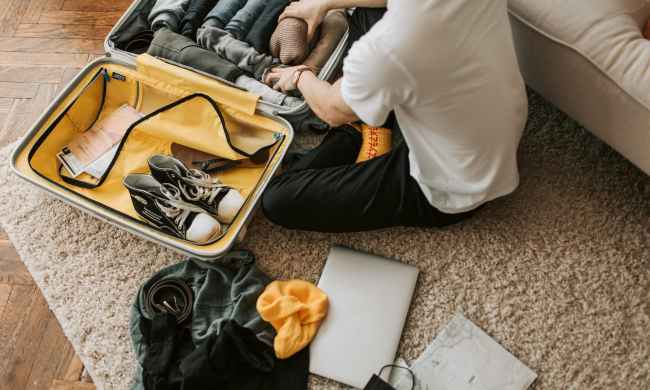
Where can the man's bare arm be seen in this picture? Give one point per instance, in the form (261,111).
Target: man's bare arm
(325,100)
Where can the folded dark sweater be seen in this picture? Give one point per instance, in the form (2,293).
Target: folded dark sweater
(196,12)
(183,50)
(260,34)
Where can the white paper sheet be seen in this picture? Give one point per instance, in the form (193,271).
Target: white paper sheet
(463,357)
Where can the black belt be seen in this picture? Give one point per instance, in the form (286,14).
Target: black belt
(171,296)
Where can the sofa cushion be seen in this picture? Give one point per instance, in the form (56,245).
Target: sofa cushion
(606,32)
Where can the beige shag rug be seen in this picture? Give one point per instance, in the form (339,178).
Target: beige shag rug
(558,272)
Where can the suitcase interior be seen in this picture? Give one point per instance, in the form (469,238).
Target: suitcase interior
(137,15)
(180,106)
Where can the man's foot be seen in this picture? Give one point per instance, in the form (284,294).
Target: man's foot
(197,187)
(161,205)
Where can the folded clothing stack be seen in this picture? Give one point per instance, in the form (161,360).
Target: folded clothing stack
(183,50)
(240,40)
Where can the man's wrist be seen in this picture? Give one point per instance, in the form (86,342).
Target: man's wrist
(300,73)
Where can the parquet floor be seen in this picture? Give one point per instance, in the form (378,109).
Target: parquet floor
(43,44)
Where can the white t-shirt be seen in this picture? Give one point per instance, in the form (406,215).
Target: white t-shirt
(448,70)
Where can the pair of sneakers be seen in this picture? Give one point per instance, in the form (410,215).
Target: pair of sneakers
(187,203)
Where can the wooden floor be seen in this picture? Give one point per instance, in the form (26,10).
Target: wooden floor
(43,44)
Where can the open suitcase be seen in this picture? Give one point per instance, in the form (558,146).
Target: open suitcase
(180,106)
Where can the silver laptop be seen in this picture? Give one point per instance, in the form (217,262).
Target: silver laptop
(369,300)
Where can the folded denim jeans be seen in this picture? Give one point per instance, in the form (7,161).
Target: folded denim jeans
(240,53)
(241,23)
(183,50)
(260,33)
(167,13)
(221,14)
(193,18)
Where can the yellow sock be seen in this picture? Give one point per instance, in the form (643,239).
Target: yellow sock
(376,141)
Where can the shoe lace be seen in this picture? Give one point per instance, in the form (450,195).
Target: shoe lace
(198,185)
(173,207)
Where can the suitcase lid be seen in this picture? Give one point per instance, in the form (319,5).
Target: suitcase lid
(246,103)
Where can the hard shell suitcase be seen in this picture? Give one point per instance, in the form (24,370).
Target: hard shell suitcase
(202,111)
(180,106)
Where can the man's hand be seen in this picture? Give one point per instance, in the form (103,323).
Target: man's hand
(311,11)
(285,79)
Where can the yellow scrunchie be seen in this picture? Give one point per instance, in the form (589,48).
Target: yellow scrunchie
(295,309)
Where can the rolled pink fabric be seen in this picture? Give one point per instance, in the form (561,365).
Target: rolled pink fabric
(334,25)
(289,41)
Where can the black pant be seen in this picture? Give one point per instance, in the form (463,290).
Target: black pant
(327,191)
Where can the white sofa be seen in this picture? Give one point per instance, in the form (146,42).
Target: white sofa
(589,58)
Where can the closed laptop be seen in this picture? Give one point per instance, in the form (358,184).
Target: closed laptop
(369,301)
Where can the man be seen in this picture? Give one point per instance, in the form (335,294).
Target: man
(448,71)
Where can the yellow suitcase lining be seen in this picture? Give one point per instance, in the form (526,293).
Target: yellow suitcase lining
(226,128)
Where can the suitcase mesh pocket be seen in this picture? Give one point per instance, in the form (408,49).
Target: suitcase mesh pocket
(193,120)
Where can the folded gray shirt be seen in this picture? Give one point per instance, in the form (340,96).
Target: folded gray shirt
(240,53)
(267,93)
